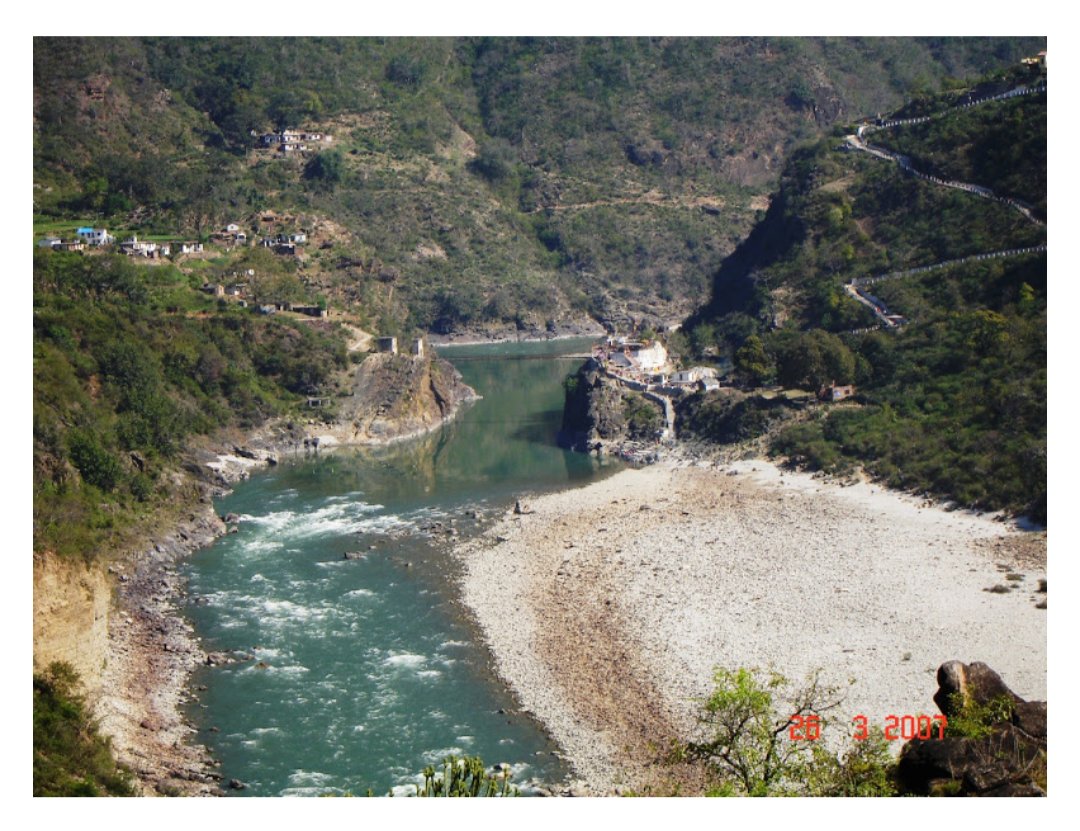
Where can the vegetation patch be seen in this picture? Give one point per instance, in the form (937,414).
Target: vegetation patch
(71,758)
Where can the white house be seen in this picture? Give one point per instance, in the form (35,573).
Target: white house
(135,247)
(686,376)
(232,228)
(94,236)
(693,375)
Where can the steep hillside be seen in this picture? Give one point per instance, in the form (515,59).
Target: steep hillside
(131,363)
(470,182)
(904,259)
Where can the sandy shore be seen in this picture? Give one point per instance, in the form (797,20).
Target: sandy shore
(608,607)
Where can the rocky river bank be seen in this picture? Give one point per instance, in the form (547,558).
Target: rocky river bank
(123,621)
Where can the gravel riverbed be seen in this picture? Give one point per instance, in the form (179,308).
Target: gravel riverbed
(608,607)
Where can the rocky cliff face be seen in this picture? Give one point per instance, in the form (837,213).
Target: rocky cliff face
(600,415)
(116,623)
(396,396)
(71,616)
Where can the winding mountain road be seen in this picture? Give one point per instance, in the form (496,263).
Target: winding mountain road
(856,289)
(855,141)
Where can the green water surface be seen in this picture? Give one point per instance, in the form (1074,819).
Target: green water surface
(367,670)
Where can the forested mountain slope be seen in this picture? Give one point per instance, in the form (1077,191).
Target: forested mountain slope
(921,223)
(469,180)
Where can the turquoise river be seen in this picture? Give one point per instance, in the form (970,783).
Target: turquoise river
(366,670)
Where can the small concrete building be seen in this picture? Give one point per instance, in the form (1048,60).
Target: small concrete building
(388,344)
(135,247)
(837,392)
(418,348)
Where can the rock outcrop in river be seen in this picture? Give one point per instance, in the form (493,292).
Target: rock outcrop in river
(601,415)
(396,396)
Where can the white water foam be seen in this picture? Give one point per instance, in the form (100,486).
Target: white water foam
(276,669)
(309,778)
(311,791)
(435,757)
(406,660)
(337,518)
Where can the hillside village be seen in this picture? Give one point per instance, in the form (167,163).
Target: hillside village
(291,142)
(231,236)
(645,366)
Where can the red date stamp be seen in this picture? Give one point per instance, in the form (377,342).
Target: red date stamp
(807,728)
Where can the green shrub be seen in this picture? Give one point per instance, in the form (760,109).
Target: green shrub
(96,465)
(975,720)
(71,758)
(758,743)
(466,777)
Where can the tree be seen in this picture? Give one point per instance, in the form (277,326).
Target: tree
(326,168)
(496,159)
(753,363)
(96,465)
(405,71)
(71,757)
(751,749)
(762,741)
(813,359)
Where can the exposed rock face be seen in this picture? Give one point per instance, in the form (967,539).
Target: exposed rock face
(399,395)
(71,616)
(958,682)
(1010,760)
(595,412)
